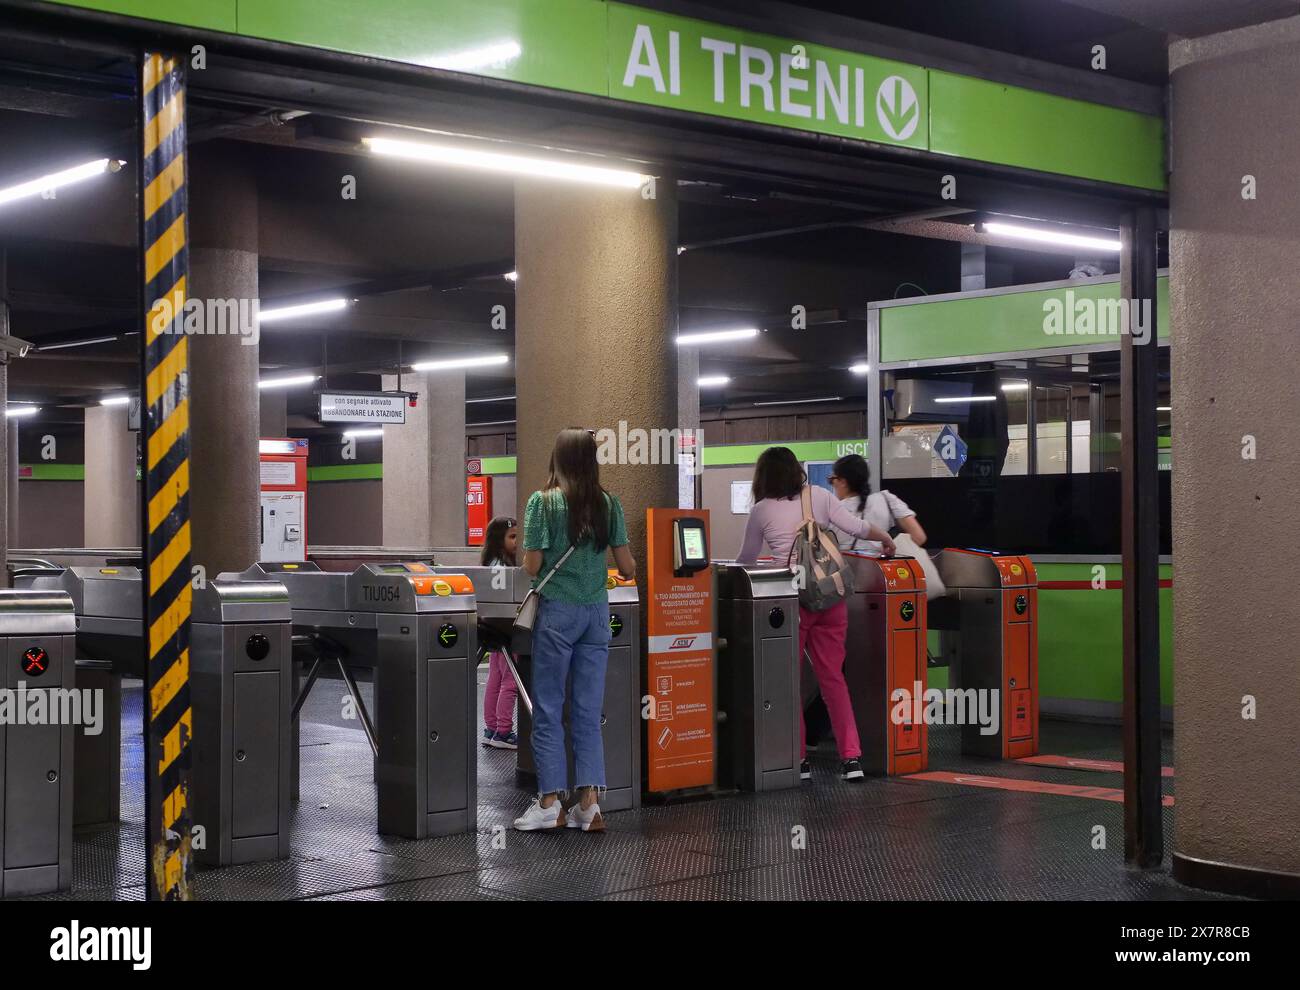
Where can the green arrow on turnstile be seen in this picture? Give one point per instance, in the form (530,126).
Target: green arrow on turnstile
(447,634)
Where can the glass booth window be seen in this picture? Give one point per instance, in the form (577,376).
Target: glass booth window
(1022,454)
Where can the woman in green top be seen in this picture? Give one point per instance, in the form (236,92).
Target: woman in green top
(571,633)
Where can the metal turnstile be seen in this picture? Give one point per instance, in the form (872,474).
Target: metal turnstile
(989,623)
(417,629)
(241,692)
(885,652)
(108,605)
(758,677)
(502,591)
(36,757)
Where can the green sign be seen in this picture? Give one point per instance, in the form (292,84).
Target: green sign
(693,65)
(1026,319)
(740,454)
(628,53)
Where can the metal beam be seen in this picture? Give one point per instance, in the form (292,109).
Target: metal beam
(1140,546)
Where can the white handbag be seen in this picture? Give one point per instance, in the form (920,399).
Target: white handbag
(934,586)
(526,617)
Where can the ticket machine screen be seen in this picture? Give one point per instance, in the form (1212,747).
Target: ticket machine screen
(690,547)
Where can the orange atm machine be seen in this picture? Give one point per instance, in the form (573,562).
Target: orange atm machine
(989,624)
(885,653)
(680,748)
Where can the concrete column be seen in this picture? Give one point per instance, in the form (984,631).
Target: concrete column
(7,533)
(224,406)
(424,464)
(1234,298)
(273,413)
(15,534)
(596,318)
(112,500)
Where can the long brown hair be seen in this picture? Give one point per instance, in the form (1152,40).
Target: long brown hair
(494,542)
(575,471)
(778,474)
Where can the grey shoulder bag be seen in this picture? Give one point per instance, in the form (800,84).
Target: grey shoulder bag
(522,632)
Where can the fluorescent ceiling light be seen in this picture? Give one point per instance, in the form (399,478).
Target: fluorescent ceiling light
(23,410)
(115,400)
(59,179)
(76,343)
(1015,386)
(494,398)
(494,422)
(511,276)
(800,402)
(860,369)
(967,398)
(708,381)
(476,58)
(496,161)
(486,361)
(364,434)
(1164,408)
(306,309)
(1042,235)
(287,382)
(715,336)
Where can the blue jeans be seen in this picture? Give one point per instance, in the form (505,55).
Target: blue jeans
(570,654)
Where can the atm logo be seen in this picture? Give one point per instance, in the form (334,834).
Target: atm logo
(681,642)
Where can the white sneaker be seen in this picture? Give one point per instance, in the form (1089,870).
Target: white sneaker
(537,817)
(589,820)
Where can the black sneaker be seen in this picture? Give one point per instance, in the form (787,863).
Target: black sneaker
(851,770)
(805,770)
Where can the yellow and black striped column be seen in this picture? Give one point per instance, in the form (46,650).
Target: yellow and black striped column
(165,421)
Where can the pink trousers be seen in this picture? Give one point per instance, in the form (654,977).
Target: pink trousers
(499,696)
(821,636)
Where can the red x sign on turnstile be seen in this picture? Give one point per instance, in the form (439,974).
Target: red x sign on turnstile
(35,660)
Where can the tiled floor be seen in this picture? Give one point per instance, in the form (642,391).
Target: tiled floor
(879,839)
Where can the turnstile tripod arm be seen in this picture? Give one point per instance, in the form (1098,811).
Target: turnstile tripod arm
(519,682)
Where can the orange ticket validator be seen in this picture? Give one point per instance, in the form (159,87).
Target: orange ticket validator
(680,671)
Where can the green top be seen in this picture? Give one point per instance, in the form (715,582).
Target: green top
(581,581)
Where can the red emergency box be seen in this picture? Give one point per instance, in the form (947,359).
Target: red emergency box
(284,499)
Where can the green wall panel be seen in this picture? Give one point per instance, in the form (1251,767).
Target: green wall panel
(52,472)
(1080,651)
(991,122)
(995,324)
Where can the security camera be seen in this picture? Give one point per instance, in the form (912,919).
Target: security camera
(11,347)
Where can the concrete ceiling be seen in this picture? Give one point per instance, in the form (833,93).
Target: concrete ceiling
(71,261)
(1193,18)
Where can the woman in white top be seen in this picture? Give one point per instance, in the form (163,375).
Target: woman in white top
(851,479)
